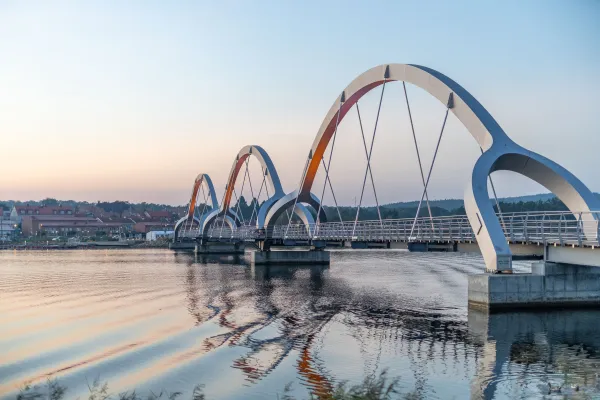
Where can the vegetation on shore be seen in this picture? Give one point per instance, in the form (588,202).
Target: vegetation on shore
(393,210)
(381,387)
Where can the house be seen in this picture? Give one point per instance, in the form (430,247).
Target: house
(71,225)
(18,212)
(54,225)
(159,215)
(148,226)
(155,235)
(8,229)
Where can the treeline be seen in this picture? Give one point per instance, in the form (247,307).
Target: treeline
(245,208)
(390,212)
(118,206)
(370,213)
(387,212)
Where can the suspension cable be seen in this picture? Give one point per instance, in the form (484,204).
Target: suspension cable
(332,192)
(251,190)
(258,197)
(412,127)
(237,199)
(322,199)
(205,201)
(224,212)
(266,185)
(241,192)
(368,163)
(362,192)
(298,194)
(437,147)
(310,155)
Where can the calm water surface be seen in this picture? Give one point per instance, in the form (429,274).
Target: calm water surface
(154,319)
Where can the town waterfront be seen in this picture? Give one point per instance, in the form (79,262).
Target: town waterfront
(152,319)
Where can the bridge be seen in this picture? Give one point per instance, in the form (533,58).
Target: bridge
(560,228)
(299,218)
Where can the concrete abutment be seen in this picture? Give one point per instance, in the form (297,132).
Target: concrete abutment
(289,257)
(220,248)
(549,285)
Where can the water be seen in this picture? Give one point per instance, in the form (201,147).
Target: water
(154,319)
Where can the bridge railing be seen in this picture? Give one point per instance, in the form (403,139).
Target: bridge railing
(555,226)
(560,227)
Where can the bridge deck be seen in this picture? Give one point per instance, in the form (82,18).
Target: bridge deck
(559,228)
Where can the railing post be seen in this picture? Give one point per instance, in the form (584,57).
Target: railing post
(579,230)
(597,228)
(543,231)
(560,238)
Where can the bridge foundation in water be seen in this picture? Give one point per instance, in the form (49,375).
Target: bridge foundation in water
(289,257)
(549,285)
(220,248)
(182,246)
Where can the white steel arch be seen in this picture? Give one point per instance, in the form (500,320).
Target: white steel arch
(190,218)
(499,153)
(271,179)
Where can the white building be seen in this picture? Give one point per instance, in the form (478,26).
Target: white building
(154,235)
(7,229)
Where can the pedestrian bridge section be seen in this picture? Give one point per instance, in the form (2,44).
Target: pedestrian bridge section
(557,236)
(284,218)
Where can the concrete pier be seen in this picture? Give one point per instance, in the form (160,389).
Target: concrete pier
(220,248)
(182,246)
(287,257)
(548,285)
(369,245)
(421,247)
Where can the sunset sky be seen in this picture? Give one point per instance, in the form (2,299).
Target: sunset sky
(130,100)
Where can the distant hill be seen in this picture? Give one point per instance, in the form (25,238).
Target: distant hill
(447,204)
(452,204)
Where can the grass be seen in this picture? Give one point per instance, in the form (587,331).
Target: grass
(371,388)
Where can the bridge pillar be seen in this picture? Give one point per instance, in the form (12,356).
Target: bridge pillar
(548,285)
(182,245)
(219,248)
(289,257)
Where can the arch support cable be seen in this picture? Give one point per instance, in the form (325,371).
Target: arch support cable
(296,199)
(310,155)
(369,168)
(333,193)
(224,213)
(241,193)
(237,208)
(414,135)
(251,189)
(369,161)
(449,105)
(255,211)
(205,200)
(322,198)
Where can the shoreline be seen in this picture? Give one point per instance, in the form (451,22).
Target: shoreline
(22,247)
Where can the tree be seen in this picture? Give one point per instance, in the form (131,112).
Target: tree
(50,202)
(116,206)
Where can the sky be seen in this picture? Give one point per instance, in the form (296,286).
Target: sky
(112,100)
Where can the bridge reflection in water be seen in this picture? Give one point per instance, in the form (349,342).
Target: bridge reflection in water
(155,319)
(293,309)
(544,351)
